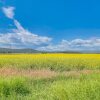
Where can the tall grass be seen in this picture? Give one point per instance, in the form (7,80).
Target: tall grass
(84,87)
(13,86)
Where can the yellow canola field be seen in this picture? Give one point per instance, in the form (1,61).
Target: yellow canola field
(55,61)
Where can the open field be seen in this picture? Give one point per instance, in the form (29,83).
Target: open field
(49,77)
(56,62)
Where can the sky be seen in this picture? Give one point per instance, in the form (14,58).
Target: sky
(51,25)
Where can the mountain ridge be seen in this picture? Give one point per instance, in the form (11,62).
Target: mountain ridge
(29,50)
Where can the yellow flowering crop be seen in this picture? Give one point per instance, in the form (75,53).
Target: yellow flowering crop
(51,61)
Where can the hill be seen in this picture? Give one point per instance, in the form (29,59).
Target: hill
(8,50)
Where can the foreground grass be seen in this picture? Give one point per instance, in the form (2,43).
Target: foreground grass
(83,87)
(56,62)
(59,77)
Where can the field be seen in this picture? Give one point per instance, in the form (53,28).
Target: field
(56,62)
(49,77)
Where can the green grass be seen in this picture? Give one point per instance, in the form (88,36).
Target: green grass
(83,87)
(13,86)
(71,87)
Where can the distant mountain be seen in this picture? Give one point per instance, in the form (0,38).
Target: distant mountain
(8,50)
(61,52)
(28,50)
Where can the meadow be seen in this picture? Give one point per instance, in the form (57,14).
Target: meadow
(49,76)
(56,62)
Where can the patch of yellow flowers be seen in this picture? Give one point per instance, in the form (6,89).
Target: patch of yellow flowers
(55,61)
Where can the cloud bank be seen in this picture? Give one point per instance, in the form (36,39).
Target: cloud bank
(20,37)
(92,44)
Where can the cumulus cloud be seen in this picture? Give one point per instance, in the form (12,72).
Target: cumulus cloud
(91,44)
(20,36)
(9,12)
(28,37)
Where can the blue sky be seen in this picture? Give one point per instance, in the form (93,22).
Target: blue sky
(50,24)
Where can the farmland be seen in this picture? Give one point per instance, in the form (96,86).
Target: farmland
(49,76)
(56,62)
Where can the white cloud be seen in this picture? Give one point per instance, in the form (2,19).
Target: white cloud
(9,12)
(20,36)
(91,44)
(27,37)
